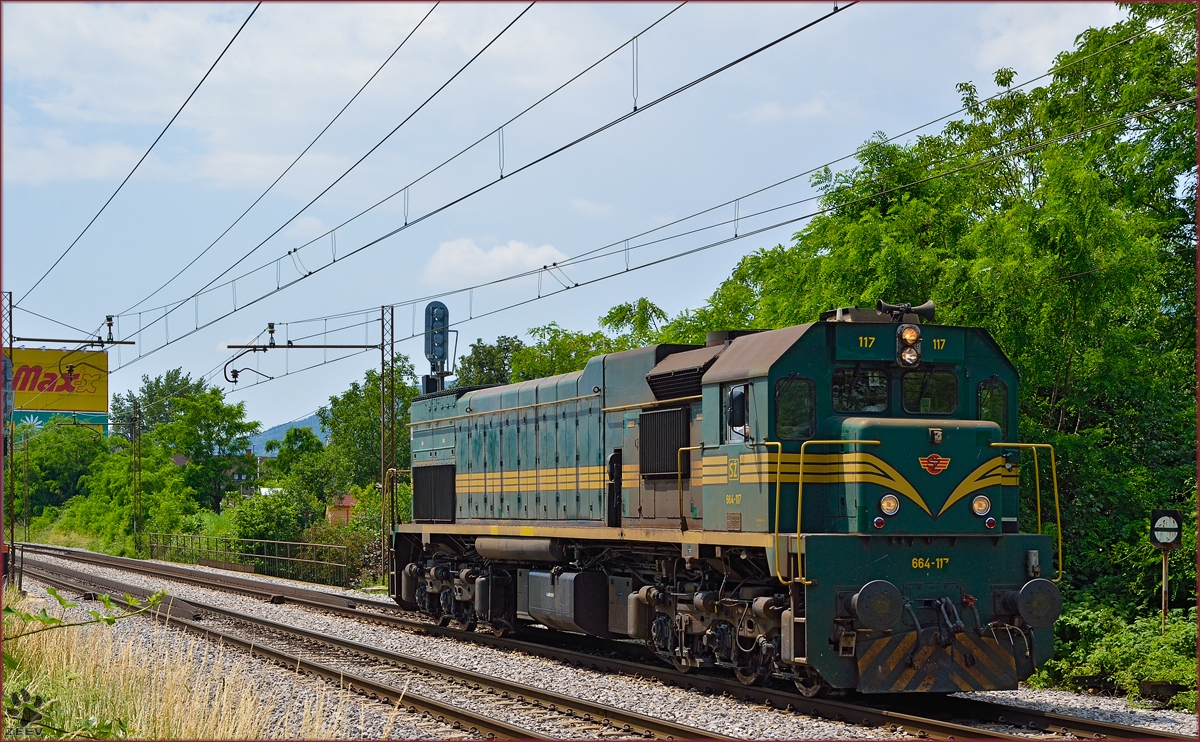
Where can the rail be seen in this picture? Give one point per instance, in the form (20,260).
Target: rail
(800,503)
(326,564)
(1037,489)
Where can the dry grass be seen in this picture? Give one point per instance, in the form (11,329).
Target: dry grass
(177,690)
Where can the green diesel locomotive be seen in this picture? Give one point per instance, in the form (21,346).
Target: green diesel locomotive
(833,503)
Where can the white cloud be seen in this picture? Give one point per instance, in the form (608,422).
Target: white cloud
(40,157)
(462,261)
(305,228)
(591,208)
(771,112)
(1028,36)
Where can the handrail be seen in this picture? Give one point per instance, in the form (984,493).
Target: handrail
(655,403)
(471,413)
(800,503)
(679,476)
(1037,487)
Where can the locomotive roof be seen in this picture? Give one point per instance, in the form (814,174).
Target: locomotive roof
(752,356)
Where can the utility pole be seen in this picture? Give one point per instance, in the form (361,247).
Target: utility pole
(135,435)
(7,426)
(387,433)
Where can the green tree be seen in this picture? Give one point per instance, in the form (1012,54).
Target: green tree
(488,363)
(56,456)
(1076,252)
(557,350)
(353,420)
(280,515)
(214,438)
(638,323)
(157,399)
(297,443)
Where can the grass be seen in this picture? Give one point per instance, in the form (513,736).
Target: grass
(97,684)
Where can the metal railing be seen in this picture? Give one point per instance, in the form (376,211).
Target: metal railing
(327,564)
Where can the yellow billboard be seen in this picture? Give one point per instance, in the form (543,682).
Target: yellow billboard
(65,380)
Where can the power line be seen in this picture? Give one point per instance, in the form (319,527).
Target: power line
(600,252)
(578,258)
(143,157)
(289,167)
(372,150)
(51,319)
(168,309)
(1019,151)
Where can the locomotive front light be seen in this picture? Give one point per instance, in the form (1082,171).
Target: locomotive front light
(981,505)
(889,504)
(909,356)
(910,335)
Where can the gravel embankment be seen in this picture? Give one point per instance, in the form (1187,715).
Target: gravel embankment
(288,694)
(1086,706)
(725,715)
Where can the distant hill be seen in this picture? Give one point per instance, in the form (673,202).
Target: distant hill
(259,442)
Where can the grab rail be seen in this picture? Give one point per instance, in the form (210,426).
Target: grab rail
(800,502)
(679,475)
(1037,488)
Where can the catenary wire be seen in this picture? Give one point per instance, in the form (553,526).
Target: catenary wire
(1007,91)
(143,157)
(599,253)
(168,309)
(289,167)
(1022,150)
(370,151)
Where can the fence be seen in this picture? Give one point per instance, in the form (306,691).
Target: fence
(327,564)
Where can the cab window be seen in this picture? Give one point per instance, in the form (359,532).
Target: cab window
(795,408)
(993,403)
(860,389)
(736,413)
(930,392)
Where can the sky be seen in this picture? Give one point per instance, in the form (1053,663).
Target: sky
(88,88)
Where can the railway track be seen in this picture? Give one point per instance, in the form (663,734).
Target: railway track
(941,718)
(344,660)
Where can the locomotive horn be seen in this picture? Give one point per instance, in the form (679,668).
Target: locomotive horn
(925,311)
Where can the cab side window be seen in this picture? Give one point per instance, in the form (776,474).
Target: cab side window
(795,409)
(860,389)
(736,413)
(993,403)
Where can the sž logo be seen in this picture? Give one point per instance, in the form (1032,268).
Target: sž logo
(933,463)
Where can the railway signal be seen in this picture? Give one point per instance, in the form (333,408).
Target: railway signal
(1166,533)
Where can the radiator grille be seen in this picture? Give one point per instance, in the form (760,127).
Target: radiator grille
(663,433)
(433,494)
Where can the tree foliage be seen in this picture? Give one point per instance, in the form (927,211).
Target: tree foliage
(353,420)
(157,400)
(214,437)
(488,363)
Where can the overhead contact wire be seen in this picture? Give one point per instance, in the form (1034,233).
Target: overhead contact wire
(293,163)
(143,157)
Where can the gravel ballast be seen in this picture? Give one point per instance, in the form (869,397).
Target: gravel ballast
(725,715)
(287,693)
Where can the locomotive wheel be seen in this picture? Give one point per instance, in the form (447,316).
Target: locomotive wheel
(813,686)
(501,631)
(443,620)
(749,676)
(680,666)
(469,624)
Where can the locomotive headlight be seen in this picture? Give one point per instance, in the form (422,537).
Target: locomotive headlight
(981,505)
(909,356)
(910,335)
(889,504)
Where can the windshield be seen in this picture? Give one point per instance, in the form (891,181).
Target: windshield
(860,389)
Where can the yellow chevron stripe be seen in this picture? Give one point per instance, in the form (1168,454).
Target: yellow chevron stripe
(988,474)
